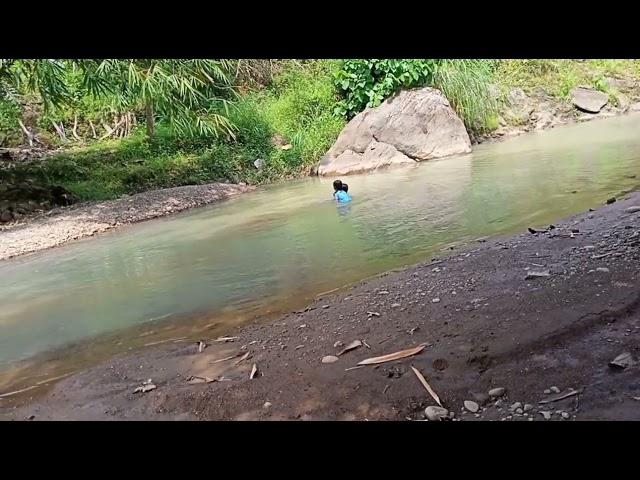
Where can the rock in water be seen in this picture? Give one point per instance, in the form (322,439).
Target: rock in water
(496,392)
(611,200)
(588,100)
(435,414)
(473,407)
(412,126)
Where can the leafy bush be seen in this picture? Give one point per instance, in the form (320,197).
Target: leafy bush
(366,83)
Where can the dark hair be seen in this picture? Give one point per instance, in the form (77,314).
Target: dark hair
(338,185)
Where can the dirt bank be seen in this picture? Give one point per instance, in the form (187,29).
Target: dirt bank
(485,321)
(62,225)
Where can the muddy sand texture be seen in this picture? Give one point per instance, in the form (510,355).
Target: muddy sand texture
(483,323)
(62,225)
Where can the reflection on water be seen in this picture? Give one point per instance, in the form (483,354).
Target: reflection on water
(281,244)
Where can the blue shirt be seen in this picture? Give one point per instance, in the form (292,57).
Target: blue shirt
(342,196)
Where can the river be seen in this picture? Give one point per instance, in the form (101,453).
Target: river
(277,247)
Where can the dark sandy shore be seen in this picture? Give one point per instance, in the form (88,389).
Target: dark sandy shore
(62,225)
(485,325)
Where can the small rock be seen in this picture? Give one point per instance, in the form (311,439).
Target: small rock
(547,391)
(496,392)
(602,270)
(395,305)
(519,411)
(531,419)
(329,359)
(527,407)
(435,300)
(633,209)
(473,407)
(266,405)
(540,274)
(622,361)
(546,415)
(515,406)
(498,403)
(565,415)
(554,389)
(435,414)
(338,344)
(611,200)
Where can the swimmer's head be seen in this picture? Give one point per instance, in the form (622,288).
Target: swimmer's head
(337,185)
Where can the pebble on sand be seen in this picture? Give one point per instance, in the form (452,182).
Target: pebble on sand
(435,414)
(496,392)
(473,407)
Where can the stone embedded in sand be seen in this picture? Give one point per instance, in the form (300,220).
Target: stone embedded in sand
(633,209)
(527,407)
(435,414)
(546,415)
(623,360)
(554,389)
(541,274)
(496,392)
(602,270)
(515,406)
(473,407)
(329,359)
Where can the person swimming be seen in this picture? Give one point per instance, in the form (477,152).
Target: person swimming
(340,192)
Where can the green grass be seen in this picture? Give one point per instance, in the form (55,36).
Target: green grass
(558,77)
(298,107)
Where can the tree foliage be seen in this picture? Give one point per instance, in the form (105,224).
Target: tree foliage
(190,95)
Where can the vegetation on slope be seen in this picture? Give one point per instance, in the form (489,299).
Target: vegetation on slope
(127,126)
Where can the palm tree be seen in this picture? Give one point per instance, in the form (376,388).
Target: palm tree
(189,94)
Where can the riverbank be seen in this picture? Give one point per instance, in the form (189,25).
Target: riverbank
(526,313)
(56,227)
(62,225)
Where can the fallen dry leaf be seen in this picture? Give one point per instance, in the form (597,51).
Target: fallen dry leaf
(195,380)
(226,358)
(353,345)
(254,371)
(242,358)
(227,339)
(560,396)
(329,359)
(426,385)
(354,368)
(145,388)
(15,392)
(393,356)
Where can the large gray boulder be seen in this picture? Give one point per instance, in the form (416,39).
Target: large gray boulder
(412,126)
(588,99)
